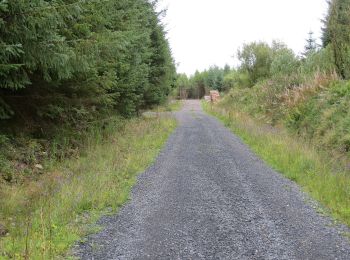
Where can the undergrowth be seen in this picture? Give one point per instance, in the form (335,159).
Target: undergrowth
(46,215)
(170,106)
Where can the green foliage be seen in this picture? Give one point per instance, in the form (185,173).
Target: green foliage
(305,96)
(47,216)
(162,72)
(200,83)
(337,34)
(325,118)
(287,94)
(326,180)
(256,59)
(215,78)
(63,59)
(311,45)
(321,60)
(236,79)
(284,63)
(183,86)
(275,64)
(182,81)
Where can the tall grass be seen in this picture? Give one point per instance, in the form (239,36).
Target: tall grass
(45,217)
(171,106)
(326,180)
(311,87)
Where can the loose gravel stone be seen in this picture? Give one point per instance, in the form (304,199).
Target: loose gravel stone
(209,197)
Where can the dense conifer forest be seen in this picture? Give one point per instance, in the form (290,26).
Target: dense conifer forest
(72,61)
(74,77)
(70,65)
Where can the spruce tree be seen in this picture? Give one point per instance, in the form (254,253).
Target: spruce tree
(68,61)
(337,34)
(310,46)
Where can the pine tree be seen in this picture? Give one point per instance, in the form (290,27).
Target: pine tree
(70,61)
(326,38)
(337,33)
(311,45)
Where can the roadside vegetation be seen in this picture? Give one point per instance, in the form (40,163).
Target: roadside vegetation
(199,84)
(68,67)
(47,215)
(170,106)
(294,111)
(74,79)
(324,177)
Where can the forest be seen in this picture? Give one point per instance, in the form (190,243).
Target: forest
(67,65)
(74,77)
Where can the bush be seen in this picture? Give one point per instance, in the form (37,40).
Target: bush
(237,79)
(284,63)
(256,59)
(322,61)
(325,118)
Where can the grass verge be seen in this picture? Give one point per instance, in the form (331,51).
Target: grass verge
(171,105)
(45,217)
(311,169)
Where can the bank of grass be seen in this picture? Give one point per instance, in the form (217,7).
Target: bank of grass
(170,106)
(325,179)
(45,217)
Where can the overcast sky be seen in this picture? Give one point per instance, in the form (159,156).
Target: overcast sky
(208,32)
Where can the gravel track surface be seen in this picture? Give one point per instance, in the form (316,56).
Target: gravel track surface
(209,197)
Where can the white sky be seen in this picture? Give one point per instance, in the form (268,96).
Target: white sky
(208,32)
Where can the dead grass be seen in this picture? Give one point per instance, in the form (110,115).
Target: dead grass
(292,97)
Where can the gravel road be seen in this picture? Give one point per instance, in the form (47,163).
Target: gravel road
(209,197)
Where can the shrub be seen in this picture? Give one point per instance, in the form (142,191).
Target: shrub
(256,59)
(325,118)
(284,63)
(237,79)
(321,60)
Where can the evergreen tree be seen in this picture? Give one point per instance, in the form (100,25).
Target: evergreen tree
(215,78)
(227,69)
(310,46)
(337,33)
(72,61)
(326,38)
(162,71)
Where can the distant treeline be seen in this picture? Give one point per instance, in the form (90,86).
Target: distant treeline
(307,93)
(260,61)
(200,83)
(306,100)
(71,61)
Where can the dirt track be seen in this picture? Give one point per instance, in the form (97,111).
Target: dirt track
(209,197)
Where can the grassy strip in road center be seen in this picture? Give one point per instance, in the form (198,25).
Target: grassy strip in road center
(47,216)
(293,158)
